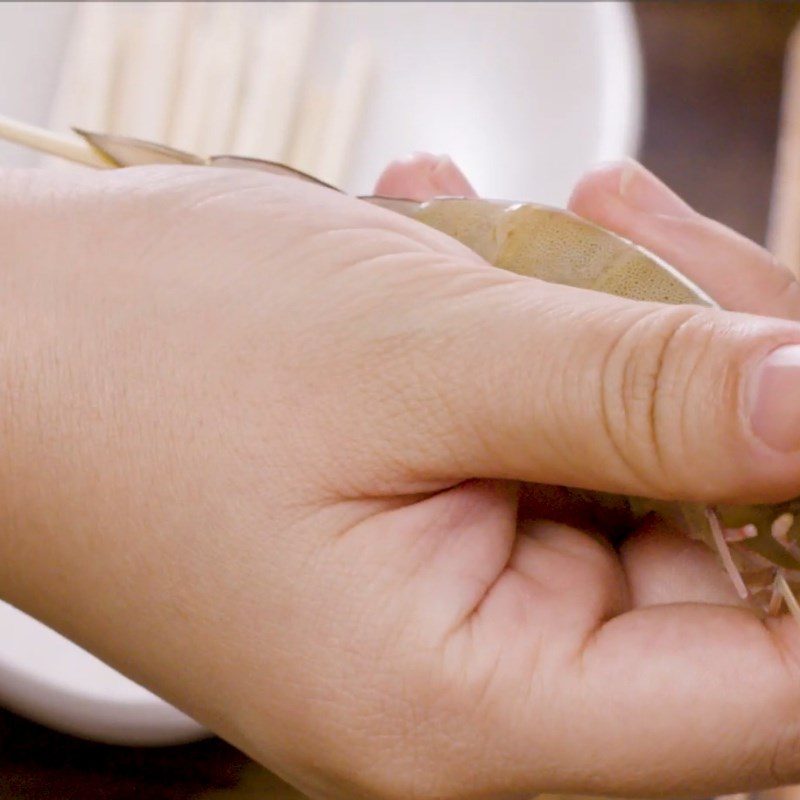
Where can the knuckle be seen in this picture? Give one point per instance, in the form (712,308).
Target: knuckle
(651,379)
(593,187)
(784,763)
(786,292)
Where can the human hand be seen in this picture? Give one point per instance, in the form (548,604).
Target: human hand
(262,446)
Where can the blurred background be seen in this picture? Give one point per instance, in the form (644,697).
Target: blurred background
(524,95)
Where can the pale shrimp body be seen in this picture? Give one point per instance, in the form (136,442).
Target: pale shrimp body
(758,545)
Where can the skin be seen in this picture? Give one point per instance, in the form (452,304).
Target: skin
(263,448)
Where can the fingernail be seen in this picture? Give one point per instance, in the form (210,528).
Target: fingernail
(775,399)
(449,179)
(641,190)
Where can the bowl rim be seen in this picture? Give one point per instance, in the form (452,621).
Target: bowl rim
(622,63)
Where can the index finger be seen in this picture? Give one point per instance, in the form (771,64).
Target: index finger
(739,274)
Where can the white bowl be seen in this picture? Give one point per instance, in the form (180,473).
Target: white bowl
(524,96)
(49,679)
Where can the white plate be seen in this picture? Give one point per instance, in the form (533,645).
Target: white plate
(525,97)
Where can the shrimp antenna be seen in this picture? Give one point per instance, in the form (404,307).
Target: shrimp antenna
(788,595)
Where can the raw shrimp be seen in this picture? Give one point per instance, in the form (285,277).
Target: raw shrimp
(758,545)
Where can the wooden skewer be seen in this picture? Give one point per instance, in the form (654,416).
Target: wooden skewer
(88,73)
(227,51)
(55,144)
(148,59)
(259,82)
(784,230)
(349,97)
(318,135)
(195,75)
(314,113)
(290,67)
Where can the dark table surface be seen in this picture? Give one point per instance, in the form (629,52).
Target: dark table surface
(713,95)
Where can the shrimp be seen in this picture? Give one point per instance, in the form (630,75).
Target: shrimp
(757,545)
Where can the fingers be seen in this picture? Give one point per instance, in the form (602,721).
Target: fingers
(688,698)
(590,697)
(422,176)
(664,566)
(694,699)
(550,384)
(740,275)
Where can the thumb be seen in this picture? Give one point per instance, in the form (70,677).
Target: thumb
(557,385)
